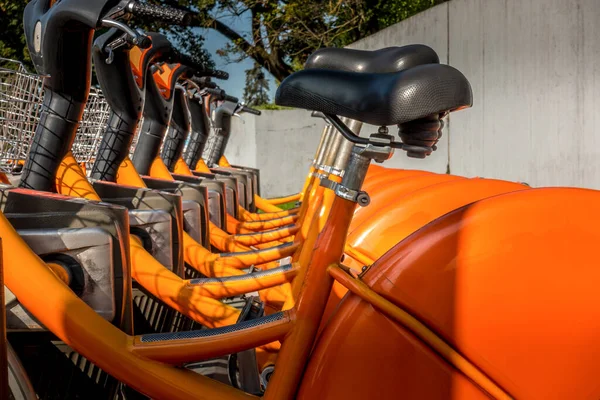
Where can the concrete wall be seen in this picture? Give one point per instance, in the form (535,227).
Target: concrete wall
(281,144)
(535,71)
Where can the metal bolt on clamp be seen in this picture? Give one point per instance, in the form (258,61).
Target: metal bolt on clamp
(359,197)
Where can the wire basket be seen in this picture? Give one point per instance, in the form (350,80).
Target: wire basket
(21,96)
(91,129)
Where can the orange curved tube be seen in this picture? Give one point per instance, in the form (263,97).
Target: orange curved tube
(248,216)
(283,200)
(230,288)
(215,265)
(226,242)
(257,257)
(202,167)
(229,265)
(268,238)
(185,351)
(128,175)
(189,298)
(159,170)
(210,264)
(176,293)
(265,206)
(232,222)
(71,180)
(224,162)
(234,225)
(181,168)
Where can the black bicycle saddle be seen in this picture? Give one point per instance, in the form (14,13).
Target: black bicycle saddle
(378,99)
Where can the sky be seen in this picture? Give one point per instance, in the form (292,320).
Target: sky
(237,71)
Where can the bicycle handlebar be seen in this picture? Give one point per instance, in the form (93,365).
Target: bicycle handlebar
(218,93)
(232,99)
(211,73)
(187,60)
(165,14)
(199,69)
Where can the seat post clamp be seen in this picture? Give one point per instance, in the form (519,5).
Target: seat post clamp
(359,197)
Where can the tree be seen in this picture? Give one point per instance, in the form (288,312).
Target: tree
(256,92)
(283,33)
(12,40)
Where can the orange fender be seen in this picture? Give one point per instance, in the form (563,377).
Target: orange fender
(509,282)
(379,178)
(375,236)
(392,191)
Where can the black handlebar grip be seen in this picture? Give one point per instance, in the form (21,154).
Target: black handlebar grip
(188,61)
(219,93)
(215,73)
(165,14)
(220,74)
(201,80)
(251,110)
(231,98)
(204,82)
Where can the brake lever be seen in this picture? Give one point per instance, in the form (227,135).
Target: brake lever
(130,36)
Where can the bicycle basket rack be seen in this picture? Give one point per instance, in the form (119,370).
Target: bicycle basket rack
(21,96)
(20,104)
(91,129)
